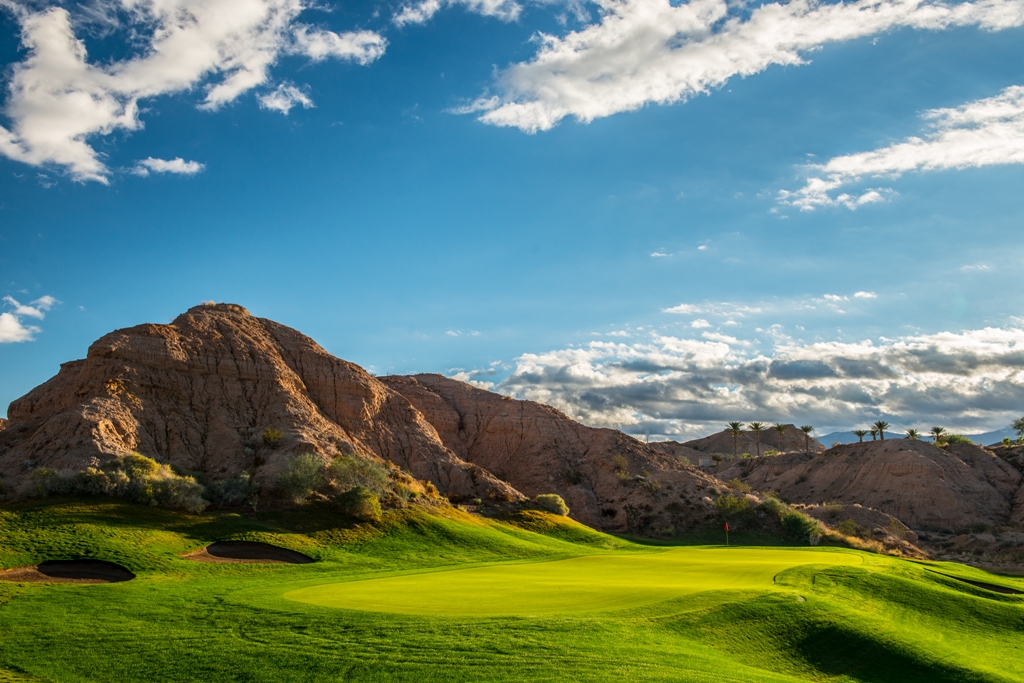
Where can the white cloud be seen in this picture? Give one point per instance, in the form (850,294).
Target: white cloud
(723,308)
(659,254)
(975,268)
(985,132)
(12,329)
(57,99)
(865,295)
(657,51)
(506,10)
(177,166)
(700,323)
(284,98)
(971,380)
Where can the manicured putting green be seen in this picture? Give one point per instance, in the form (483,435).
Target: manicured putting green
(581,584)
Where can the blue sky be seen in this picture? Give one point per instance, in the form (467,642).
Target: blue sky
(653,216)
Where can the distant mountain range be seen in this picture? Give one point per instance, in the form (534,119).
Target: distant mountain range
(984,439)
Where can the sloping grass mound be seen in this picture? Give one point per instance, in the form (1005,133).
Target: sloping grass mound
(248,551)
(69,571)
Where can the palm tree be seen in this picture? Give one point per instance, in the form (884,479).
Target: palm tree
(860,434)
(781,429)
(913,434)
(757,428)
(938,435)
(735,428)
(874,433)
(881,426)
(807,429)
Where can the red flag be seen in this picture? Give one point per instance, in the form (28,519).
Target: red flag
(727,526)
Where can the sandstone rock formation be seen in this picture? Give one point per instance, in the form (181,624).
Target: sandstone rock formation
(200,393)
(923,486)
(610,480)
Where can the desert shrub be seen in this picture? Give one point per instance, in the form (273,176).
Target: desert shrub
(1006,441)
(733,507)
(683,459)
(740,486)
(132,477)
(896,529)
(849,527)
(772,451)
(958,439)
(347,472)
(552,502)
(430,489)
(648,482)
(745,455)
(800,526)
(232,491)
(836,444)
(717,457)
(361,503)
(272,437)
(302,476)
(573,475)
(773,507)
(45,482)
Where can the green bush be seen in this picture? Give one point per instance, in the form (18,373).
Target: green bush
(850,528)
(800,526)
(272,437)
(361,503)
(232,491)
(958,439)
(733,507)
(773,507)
(133,477)
(552,502)
(302,476)
(740,486)
(347,472)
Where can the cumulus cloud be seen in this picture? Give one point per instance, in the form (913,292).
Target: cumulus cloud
(284,98)
(985,132)
(699,323)
(658,51)
(177,166)
(12,329)
(57,99)
(421,12)
(971,380)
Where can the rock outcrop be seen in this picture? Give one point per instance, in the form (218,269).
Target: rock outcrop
(201,392)
(610,480)
(792,440)
(925,487)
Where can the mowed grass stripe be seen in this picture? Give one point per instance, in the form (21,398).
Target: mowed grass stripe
(581,584)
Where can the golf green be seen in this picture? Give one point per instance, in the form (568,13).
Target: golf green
(581,584)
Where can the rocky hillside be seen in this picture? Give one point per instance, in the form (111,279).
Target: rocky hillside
(746,442)
(925,487)
(609,480)
(201,392)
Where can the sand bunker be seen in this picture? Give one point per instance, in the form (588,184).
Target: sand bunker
(69,571)
(247,552)
(987,586)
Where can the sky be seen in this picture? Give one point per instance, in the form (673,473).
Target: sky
(655,216)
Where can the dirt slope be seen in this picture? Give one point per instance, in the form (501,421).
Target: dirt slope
(923,486)
(200,392)
(610,480)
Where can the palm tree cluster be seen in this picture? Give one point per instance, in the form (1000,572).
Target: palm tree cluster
(736,428)
(877,431)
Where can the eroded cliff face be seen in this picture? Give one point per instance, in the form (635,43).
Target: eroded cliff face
(925,487)
(200,393)
(610,480)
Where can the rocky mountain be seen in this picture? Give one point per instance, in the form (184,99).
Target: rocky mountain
(609,480)
(746,442)
(925,487)
(201,392)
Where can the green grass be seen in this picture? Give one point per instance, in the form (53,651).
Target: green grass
(430,597)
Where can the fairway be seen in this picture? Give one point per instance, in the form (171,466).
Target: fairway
(582,584)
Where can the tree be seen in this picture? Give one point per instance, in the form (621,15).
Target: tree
(807,429)
(1018,426)
(881,426)
(735,429)
(938,435)
(781,429)
(757,428)
(874,433)
(913,434)
(860,434)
